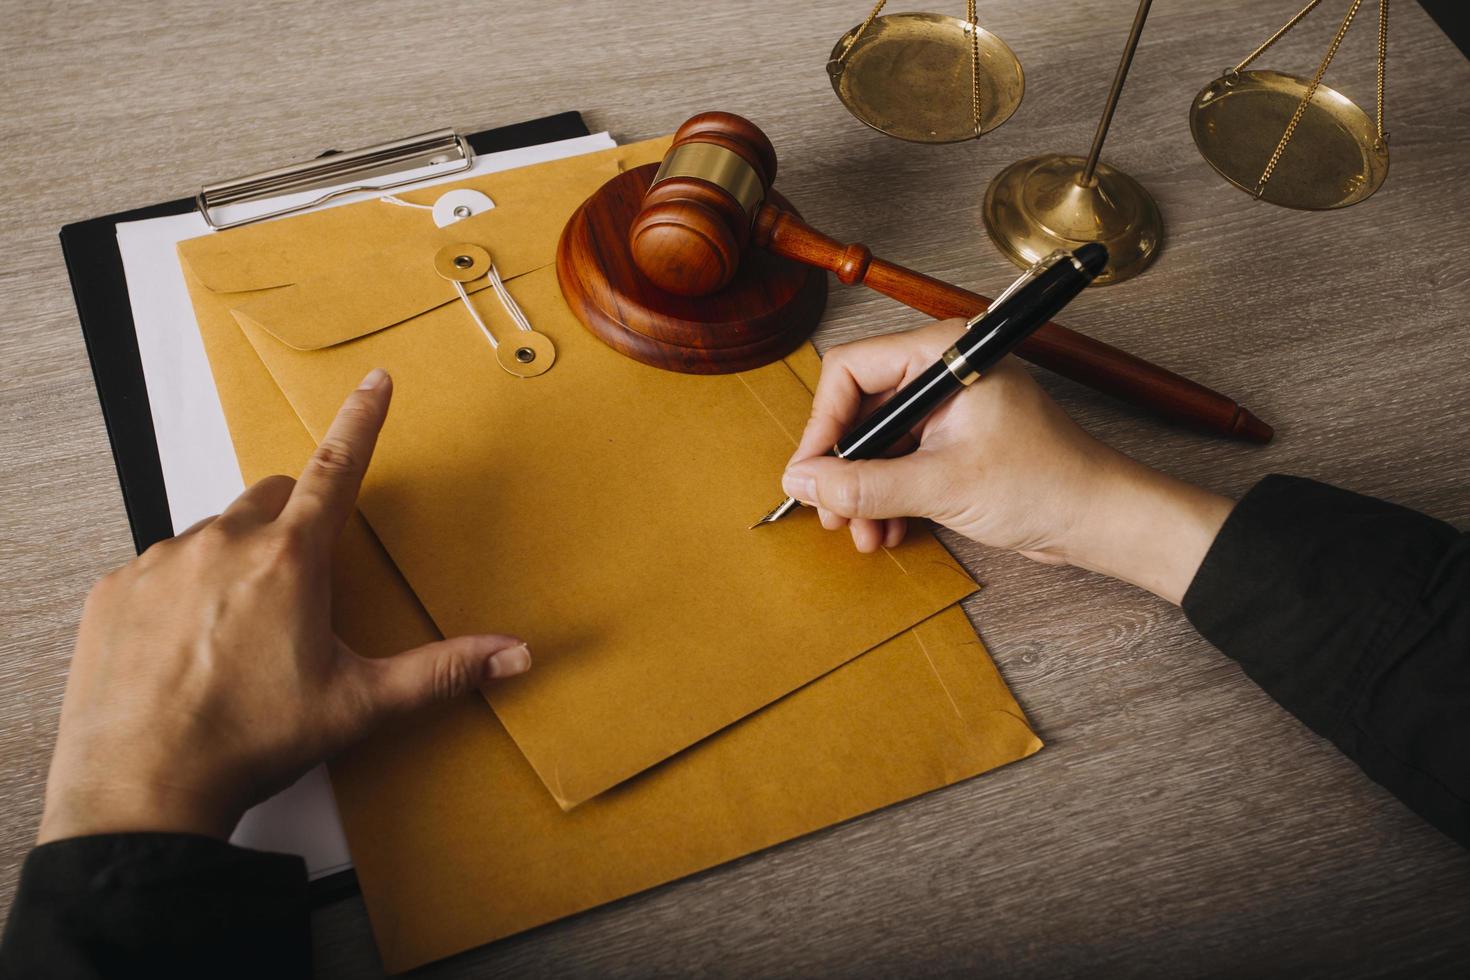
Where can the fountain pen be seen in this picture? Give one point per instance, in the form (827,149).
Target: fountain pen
(1026,304)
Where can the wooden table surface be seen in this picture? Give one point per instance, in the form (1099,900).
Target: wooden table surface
(1178,822)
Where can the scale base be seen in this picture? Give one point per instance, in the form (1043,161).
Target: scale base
(1038,205)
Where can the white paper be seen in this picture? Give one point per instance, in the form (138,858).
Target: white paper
(200,473)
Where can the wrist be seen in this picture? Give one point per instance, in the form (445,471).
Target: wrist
(1147,528)
(83,810)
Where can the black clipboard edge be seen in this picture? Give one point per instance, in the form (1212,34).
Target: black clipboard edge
(100,291)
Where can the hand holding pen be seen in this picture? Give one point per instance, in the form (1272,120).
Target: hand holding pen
(1002,465)
(1040,293)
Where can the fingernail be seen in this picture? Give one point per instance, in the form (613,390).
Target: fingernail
(374,378)
(799,484)
(508,663)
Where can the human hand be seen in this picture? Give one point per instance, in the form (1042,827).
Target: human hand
(1000,463)
(206,675)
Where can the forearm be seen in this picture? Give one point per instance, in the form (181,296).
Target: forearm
(1145,527)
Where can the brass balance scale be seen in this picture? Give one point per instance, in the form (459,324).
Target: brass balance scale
(926,78)
(930,78)
(1293,141)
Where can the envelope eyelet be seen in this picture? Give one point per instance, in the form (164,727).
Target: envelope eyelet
(456,205)
(462,263)
(526,354)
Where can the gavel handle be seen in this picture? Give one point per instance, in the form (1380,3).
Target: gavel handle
(1093,363)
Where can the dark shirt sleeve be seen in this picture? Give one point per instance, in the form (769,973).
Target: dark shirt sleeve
(1354,614)
(157,905)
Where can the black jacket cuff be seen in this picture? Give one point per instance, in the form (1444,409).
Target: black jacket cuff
(1354,614)
(157,905)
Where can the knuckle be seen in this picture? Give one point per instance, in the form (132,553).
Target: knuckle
(451,677)
(933,339)
(280,480)
(357,413)
(102,589)
(215,532)
(335,455)
(848,496)
(153,553)
(839,355)
(290,547)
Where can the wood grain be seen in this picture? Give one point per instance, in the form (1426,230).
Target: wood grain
(1178,822)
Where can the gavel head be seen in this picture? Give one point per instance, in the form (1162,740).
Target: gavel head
(697,215)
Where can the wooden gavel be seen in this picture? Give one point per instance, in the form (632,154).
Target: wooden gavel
(708,204)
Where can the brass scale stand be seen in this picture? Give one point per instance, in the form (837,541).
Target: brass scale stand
(929,78)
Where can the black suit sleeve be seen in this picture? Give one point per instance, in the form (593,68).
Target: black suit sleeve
(157,905)
(1354,614)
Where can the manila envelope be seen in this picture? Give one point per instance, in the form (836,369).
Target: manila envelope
(456,842)
(600,510)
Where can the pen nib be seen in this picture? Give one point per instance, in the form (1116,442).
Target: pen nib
(782,509)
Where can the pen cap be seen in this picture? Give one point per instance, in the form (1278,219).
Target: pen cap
(1022,309)
(1093,256)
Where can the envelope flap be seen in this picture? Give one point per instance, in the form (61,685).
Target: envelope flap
(278,253)
(372,295)
(372,292)
(316,243)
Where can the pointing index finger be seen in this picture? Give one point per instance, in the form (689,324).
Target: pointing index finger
(326,494)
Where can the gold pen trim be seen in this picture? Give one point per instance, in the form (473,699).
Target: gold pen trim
(963,371)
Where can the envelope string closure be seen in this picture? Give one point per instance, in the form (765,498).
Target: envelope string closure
(532,353)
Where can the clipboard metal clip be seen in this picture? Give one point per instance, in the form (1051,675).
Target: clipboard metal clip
(403,162)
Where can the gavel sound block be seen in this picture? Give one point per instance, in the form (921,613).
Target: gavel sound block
(674,268)
(768,307)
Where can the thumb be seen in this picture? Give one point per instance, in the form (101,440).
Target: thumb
(444,670)
(874,488)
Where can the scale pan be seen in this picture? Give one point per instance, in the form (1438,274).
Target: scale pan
(909,75)
(1333,160)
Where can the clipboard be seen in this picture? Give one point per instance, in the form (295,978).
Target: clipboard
(100,291)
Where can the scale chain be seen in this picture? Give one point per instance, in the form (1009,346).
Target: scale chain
(1382,65)
(872,15)
(974,32)
(1306,99)
(1311,6)
(974,63)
